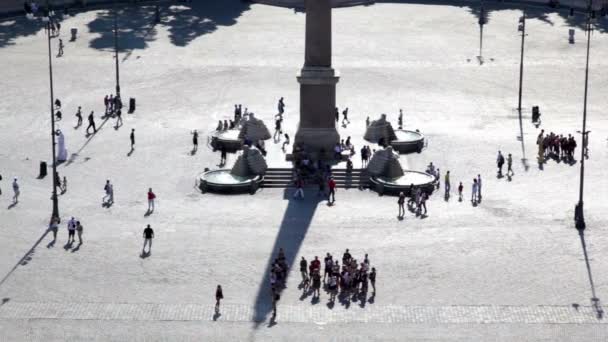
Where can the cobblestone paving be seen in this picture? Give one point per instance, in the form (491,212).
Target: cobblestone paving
(305,314)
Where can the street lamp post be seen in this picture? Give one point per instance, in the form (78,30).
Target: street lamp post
(579,217)
(116,50)
(47,20)
(522,28)
(482,21)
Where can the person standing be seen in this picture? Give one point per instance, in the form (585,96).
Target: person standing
(299,188)
(446,182)
(118,118)
(337,114)
(509,165)
(277,128)
(195,140)
(223,155)
(132,138)
(148,236)
(500,160)
(460,188)
(304,270)
(60,53)
(474,191)
(400,120)
(54,227)
(401,202)
(79,230)
(316,284)
(79,117)
(151,197)
(478,188)
(423,197)
(281,106)
(71,230)
(331,184)
(219,295)
(16,191)
(91,119)
(106,103)
(107,199)
(372,279)
(64,185)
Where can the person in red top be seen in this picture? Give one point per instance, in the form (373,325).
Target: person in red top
(331,184)
(151,197)
(315,265)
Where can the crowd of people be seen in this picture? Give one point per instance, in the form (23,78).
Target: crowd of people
(558,147)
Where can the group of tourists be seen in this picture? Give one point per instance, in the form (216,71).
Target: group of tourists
(352,278)
(556,146)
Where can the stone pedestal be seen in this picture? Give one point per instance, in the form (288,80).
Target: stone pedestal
(317,127)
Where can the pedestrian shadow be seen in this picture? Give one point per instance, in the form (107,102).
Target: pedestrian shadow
(595,301)
(12,205)
(89,137)
(294,226)
(77,248)
(216,315)
(145,255)
(148,213)
(130,152)
(193,151)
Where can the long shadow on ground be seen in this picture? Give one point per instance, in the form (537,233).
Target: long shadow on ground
(294,226)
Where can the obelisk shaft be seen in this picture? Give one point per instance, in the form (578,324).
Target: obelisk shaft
(317,129)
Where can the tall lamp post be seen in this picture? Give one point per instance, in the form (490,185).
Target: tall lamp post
(522,29)
(47,21)
(579,218)
(116,50)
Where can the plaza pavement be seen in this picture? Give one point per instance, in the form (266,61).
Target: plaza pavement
(511,268)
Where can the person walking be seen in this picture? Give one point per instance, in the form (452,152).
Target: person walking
(79,229)
(151,197)
(148,236)
(107,199)
(277,129)
(194,141)
(446,182)
(132,138)
(79,117)
(510,165)
(500,161)
(474,191)
(478,188)
(345,120)
(219,295)
(91,119)
(331,184)
(118,119)
(106,103)
(304,270)
(401,203)
(423,197)
(60,53)
(286,142)
(16,191)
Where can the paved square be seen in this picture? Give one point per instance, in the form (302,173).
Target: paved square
(511,268)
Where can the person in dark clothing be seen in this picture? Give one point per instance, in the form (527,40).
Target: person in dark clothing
(304,270)
(337,115)
(148,236)
(91,119)
(401,202)
(223,154)
(194,141)
(79,117)
(219,295)
(60,53)
(59,115)
(132,138)
(372,279)
(316,284)
(500,161)
(57,104)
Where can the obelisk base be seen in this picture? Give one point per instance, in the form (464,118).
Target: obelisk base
(317,129)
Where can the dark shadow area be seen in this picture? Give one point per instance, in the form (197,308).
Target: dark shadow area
(595,302)
(25,259)
(294,226)
(184,21)
(89,137)
(13,28)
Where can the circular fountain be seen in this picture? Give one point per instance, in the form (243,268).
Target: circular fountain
(246,174)
(395,185)
(388,177)
(229,139)
(408,141)
(222,181)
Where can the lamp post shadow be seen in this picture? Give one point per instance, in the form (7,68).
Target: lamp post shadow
(595,301)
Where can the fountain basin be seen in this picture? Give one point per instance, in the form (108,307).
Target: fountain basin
(228,139)
(408,141)
(222,181)
(394,186)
